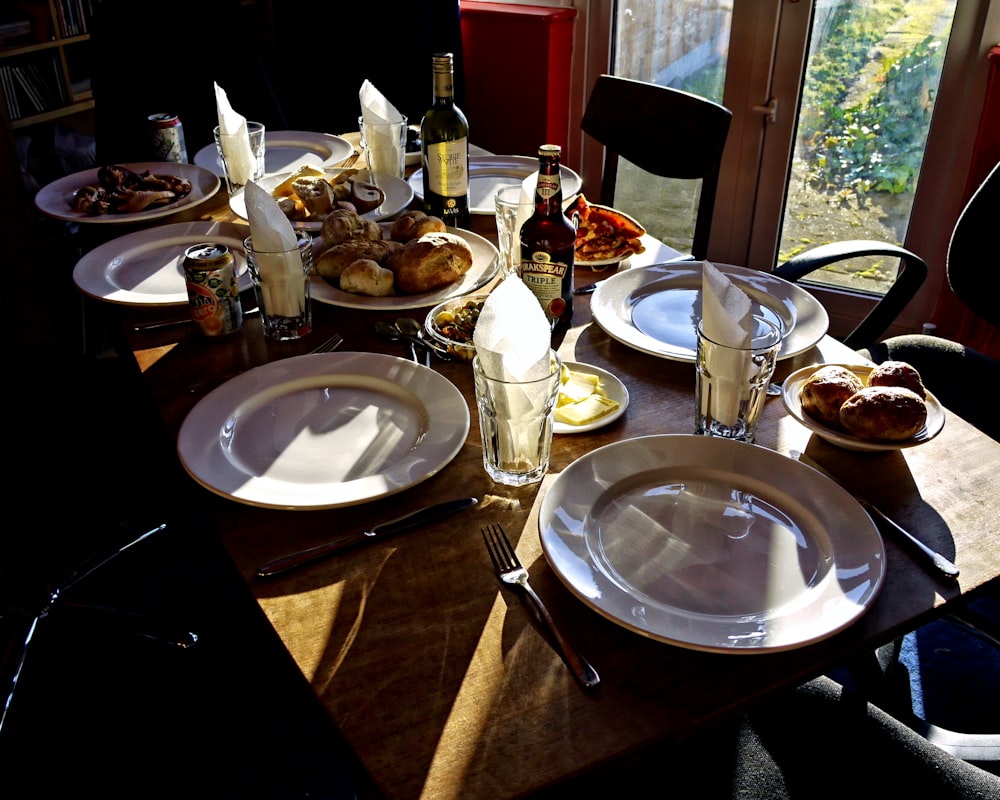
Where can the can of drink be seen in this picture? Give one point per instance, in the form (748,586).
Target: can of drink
(213,290)
(166,137)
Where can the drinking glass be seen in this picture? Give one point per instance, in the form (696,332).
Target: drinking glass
(513,207)
(281,285)
(384,145)
(238,166)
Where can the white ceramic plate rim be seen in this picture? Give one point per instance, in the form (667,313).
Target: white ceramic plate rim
(793,404)
(398,195)
(200,442)
(612,302)
(318,149)
(54,198)
(499,170)
(96,274)
(485,264)
(827,604)
(613,388)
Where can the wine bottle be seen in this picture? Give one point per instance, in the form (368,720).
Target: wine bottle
(444,131)
(548,241)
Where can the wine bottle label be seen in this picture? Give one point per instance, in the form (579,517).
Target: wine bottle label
(448,168)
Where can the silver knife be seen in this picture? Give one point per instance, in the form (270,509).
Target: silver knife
(940,563)
(384,529)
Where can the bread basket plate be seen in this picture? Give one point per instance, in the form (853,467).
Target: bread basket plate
(286,151)
(55,199)
(485,263)
(398,195)
(790,397)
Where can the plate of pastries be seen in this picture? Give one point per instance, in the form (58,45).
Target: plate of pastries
(867,408)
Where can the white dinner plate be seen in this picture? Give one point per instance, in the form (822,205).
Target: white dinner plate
(398,195)
(489,173)
(711,544)
(55,199)
(323,431)
(485,263)
(656,309)
(146,268)
(613,388)
(286,151)
(793,404)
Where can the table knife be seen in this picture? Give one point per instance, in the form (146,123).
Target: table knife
(382,530)
(938,561)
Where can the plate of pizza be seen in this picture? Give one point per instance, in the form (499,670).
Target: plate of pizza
(604,235)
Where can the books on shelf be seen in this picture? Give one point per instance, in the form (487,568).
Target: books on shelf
(32,86)
(75,16)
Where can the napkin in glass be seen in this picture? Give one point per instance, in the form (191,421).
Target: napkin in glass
(376,111)
(725,318)
(235,140)
(276,253)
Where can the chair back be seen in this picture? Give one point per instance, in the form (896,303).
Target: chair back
(972,268)
(663,131)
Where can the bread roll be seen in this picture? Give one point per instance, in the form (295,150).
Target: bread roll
(414,224)
(334,260)
(365,276)
(343,224)
(432,261)
(887,413)
(315,194)
(898,373)
(825,391)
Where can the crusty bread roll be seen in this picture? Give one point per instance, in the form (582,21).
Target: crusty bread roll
(825,391)
(898,373)
(887,413)
(365,276)
(432,261)
(334,260)
(342,224)
(414,224)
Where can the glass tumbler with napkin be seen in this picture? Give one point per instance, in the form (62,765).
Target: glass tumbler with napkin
(516,374)
(383,133)
(240,143)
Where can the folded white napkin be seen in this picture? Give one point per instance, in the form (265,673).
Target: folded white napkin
(278,260)
(725,314)
(384,150)
(512,335)
(235,139)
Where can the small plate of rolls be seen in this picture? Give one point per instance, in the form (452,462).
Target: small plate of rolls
(865,408)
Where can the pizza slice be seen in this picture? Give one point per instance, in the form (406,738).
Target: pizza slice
(603,233)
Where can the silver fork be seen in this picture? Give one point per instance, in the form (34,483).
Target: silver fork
(327,346)
(510,571)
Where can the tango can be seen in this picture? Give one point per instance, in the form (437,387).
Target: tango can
(213,289)
(166,137)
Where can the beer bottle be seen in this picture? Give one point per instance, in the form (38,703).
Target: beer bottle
(548,241)
(444,132)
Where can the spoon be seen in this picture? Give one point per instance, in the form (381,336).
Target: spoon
(414,330)
(390,331)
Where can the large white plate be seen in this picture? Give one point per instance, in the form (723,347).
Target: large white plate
(485,263)
(793,404)
(489,173)
(323,431)
(656,309)
(55,199)
(711,544)
(286,151)
(146,268)
(613,388)
(398,195)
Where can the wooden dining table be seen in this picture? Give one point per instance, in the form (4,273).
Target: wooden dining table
(442,680)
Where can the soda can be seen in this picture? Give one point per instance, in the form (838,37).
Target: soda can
(166,137)
(213,289)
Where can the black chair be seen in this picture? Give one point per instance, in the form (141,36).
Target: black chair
(662,131)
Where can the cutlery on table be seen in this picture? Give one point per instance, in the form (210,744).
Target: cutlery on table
(511,572)
(414,331)
(391,331)
(942,565)
(176,323)
(326,346)
(382,530)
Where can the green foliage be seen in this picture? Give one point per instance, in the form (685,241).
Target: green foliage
(875,143)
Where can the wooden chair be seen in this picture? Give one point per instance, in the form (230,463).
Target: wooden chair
(663,131)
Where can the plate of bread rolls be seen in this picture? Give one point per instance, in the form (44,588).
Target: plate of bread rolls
(414,261)
(866,408)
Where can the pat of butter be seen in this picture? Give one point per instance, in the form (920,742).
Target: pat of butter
(581,398)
